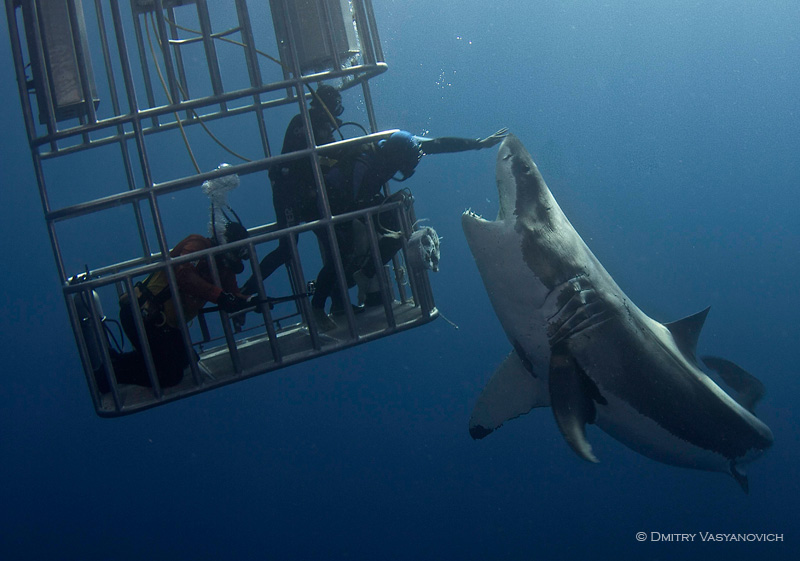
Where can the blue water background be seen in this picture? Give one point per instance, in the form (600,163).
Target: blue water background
(669,132)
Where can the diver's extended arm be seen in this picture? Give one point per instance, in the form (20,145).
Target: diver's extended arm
(448,144)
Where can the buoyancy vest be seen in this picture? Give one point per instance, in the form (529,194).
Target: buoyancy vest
(155,301)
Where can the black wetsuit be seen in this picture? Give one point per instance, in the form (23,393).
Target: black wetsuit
(448,144)
(358,183)
(354,183)
(294,193)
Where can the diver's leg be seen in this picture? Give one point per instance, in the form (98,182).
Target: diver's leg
(169,356)
(325,283)
(129,368)
(286,215)
(388,246)
(166,348)
(274,259)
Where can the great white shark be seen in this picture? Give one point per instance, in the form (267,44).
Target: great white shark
(580,346)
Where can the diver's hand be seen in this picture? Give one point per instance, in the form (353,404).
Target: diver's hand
(230,303)
(240,318)
(238,321)
(496,138)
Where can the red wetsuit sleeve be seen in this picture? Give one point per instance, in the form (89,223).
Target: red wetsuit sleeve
(190,282)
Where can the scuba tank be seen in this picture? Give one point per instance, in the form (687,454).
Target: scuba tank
(83,306)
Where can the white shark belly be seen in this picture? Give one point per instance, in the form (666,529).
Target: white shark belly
(516,293)
(643,435)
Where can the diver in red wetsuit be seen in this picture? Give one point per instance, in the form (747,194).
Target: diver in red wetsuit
(196,286)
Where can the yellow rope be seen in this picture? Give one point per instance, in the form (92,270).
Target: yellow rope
(270,57)
(166,92)
(195,113)
(185,95)
(221,38)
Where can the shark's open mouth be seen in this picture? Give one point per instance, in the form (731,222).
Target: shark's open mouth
(473,223)
(470,215)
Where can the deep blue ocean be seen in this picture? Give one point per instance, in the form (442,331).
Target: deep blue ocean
(669,132)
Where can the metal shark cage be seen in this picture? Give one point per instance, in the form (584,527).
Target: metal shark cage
(107,86)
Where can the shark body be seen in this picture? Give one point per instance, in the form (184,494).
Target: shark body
(582,347)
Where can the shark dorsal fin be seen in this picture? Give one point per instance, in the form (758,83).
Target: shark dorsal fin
(686,331)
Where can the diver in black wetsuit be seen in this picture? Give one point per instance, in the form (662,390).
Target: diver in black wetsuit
(356,183)
(294,193)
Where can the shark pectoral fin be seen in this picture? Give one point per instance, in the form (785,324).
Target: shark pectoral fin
(572,403)
(749,389)
(512,391)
